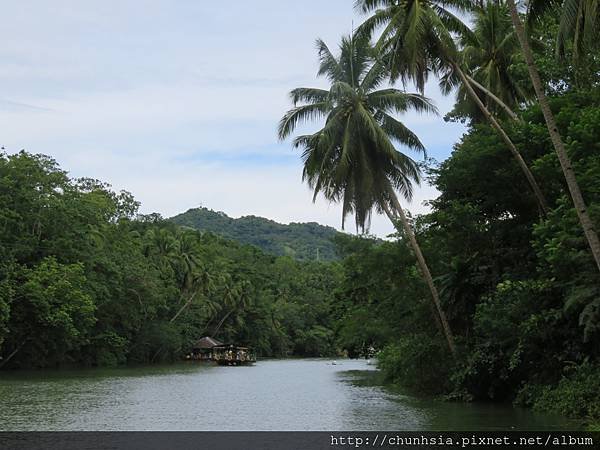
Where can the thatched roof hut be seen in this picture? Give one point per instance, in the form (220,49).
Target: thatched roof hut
(206,343)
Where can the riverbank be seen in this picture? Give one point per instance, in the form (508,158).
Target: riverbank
(575,397)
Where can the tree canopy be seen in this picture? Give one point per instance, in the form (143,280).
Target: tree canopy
(86,280)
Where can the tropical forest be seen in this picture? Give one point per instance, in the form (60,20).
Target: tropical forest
(490,296)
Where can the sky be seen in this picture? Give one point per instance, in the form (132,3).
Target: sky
(178,101)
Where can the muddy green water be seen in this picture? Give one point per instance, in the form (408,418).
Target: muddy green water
(306,394)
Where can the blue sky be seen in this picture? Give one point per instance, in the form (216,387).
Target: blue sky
(178,101)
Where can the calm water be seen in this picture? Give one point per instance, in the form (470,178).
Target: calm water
(307,394)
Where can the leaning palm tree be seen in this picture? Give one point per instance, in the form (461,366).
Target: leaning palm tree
(557,142)
(352,159)
(417,38)
(489,54)
(237,298)
(201,284)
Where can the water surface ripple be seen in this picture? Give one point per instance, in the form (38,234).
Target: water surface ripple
(303,394)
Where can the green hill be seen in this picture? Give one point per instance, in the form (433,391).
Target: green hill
(303,241)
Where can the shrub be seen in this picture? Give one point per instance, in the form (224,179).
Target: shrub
(577,395)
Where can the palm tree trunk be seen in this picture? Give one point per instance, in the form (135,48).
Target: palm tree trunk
(189,301)
(15,351)
(563,157)
(186,304)
(424,270)
(513,149)
(221,323)
(491,95)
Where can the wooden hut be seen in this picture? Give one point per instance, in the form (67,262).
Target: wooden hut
(203,348)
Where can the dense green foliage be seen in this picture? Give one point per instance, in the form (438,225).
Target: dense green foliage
(302,241)
(518,282)
(521,293)
(85,281)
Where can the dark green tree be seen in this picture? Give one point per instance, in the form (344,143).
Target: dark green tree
(565,162)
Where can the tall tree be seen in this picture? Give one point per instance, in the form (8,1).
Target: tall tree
(417,39)
(490,54)
(352,159)
(557,142)
(579,24)
(236,298)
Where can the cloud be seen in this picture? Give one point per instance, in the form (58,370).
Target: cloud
(7,105)
(178,102)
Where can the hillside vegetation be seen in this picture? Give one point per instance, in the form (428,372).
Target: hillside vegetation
(302,241)
(85,280)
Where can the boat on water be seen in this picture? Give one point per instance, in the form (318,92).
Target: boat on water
(233,355)
(209,349)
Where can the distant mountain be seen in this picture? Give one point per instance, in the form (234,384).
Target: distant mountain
(303,241)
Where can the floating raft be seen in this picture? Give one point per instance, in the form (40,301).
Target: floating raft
(232,355)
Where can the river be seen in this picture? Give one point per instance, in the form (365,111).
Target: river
(297,394)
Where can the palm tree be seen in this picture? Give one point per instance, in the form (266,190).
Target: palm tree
(185,259)
(579,24)
(417,39)
(578,27)
(200,284)
(557,142)
(490,53)
(352,159)
(236,298)
(160,245)
(197,279)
